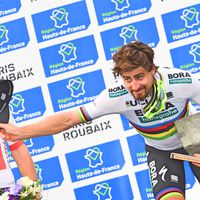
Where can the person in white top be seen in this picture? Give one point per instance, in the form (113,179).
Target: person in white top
(152,98)
(18,149)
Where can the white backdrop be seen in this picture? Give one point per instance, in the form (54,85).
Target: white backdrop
(58,54)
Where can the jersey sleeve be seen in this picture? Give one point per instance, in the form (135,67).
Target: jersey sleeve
(104,104)
(192,90)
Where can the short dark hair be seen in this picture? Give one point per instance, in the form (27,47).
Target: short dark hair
(131,56)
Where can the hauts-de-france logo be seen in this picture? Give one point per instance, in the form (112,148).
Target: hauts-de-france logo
(61,21)
(190,60)
(77,90)
(27,104)
(129,33)
(13,35)
(9,7)
(103,191)
(95,161)
(113,10)
(186,23)
(69,55)
(94,157)
(60,17)
(106,190)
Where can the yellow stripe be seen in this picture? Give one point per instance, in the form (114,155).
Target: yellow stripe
(159,135)
(173,194)
(81,115)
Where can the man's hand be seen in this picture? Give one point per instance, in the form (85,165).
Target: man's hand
(196,164)
(9,132)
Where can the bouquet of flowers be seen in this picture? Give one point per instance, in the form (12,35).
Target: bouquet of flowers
(24,189)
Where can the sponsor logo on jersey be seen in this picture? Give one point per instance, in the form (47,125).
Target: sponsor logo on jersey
(117,91)
(179,78)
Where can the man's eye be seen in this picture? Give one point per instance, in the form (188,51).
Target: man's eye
(126,79)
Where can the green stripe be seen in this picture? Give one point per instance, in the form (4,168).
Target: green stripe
(81,116)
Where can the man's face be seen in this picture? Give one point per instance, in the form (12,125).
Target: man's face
(139,82)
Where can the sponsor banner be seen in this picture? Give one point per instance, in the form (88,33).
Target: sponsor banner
(37,146)
(69,56)
(144,185)
(95,161)
(13,35)
(13,72)
(48,171)
(190,57)
(116,188)
(91,127)
(145,31)
(76,91)
(61,21)
(137,149)
(180,78)
(113,10)
(9,7)
(186,23)
(27,105)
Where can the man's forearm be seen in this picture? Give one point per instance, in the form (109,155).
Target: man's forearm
(52,124)
(24,162)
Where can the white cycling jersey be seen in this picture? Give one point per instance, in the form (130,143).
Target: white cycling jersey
(6,175)
(159,131)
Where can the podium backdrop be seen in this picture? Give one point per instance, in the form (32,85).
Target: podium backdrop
(58,54)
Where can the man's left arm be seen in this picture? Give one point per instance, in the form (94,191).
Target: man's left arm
(23,159)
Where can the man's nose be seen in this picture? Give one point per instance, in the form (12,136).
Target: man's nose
(134,85)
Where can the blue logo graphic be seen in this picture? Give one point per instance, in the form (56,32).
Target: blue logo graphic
(37,146)
(144,185)
(145,31)
(27,105)
(9,7)
(196,106)
(76,91)
(61,21)
(13,35)
(48,171)
(190,57)
(69,56)
(95,161)
(186,23)
(137,148)
(126,125)
(113,10)
(108,190)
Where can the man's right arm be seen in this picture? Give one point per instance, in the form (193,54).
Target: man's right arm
(50,125)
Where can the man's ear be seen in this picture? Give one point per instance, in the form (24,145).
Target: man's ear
(153,70)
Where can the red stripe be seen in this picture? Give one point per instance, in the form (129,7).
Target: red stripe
(2,162)
(16,145)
